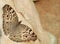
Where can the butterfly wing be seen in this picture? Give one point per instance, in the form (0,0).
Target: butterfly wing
(17,32)
(10,18)
(23,33)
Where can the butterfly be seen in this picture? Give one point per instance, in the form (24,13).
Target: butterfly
(11,26)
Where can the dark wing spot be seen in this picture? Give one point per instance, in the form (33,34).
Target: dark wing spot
(30,30)
(33,33)
(7,15)
(6,22)
(13,11)
(10,8)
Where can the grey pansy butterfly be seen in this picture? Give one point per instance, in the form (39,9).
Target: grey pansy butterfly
(11,26)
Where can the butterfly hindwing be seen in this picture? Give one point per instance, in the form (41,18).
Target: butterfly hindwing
(23,33)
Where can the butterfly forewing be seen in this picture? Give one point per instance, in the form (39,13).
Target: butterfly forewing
(10,19)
